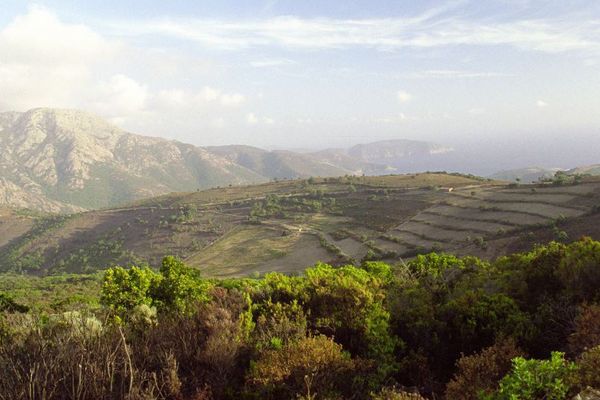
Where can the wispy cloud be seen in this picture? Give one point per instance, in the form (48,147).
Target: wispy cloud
(271,62)
(448,73)
(433,28)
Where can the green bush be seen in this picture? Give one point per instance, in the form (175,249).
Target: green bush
(551,379)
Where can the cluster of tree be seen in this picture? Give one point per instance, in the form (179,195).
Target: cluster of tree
(563,178)
(526,326)
(280,207)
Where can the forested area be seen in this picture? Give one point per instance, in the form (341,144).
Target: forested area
(525,326)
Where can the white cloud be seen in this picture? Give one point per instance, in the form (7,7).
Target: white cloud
(271,62)
(430,29)
(121,95)
(403,96)
(47,62)
(541,104)
(210,94)
(251,119)
(39,36)
(231,99)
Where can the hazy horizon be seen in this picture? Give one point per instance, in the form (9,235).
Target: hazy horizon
(283,74)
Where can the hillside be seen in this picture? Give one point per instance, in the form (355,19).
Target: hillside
(394,155)
(287,225)
(525,175)
(62,160)
(67,161)
(283,164)
(593,169)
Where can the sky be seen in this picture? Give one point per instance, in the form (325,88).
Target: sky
(312,73)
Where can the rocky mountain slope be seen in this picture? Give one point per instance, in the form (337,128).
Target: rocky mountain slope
(65,161)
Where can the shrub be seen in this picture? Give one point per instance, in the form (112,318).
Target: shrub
(124,289)
(391,393)
(314,367)
(7,304)
(476,319)
(177,287)
(278,324)
(579,270)
(551,379)
(480,373)
(589,368)
(587,329)
(348,304)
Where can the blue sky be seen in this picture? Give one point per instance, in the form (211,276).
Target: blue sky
(311,74)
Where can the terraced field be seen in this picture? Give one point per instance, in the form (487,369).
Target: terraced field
(477,214)
(287,226)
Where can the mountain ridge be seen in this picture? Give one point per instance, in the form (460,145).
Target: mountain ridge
(61,160)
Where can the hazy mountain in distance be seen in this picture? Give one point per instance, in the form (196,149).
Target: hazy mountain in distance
(593,169)
(289,164)
(525,175)
(398,155)
(66,160)
(397,151)
(292,164)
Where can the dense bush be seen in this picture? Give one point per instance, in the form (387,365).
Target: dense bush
(437,325)
(551,379)
(312,366)
(589,368)
(587,329)
(478,374)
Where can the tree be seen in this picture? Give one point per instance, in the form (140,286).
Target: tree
(178,286)
(174,288)
(124,289)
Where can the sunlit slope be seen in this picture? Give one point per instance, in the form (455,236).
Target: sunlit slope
(285,226)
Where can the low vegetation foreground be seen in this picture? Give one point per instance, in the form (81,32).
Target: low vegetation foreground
(525,326)
(426,286)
